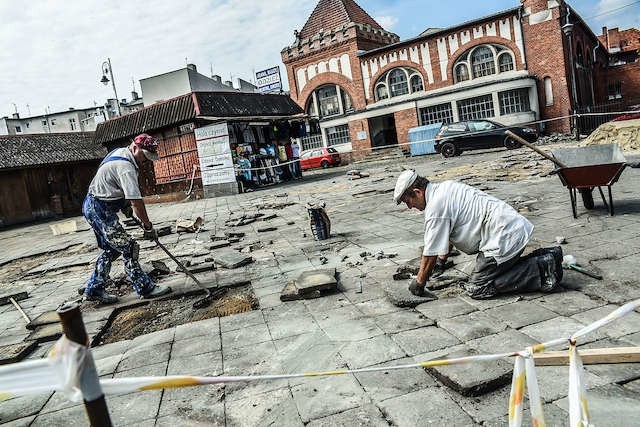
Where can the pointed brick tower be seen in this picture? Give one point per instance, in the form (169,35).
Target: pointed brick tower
(326,50)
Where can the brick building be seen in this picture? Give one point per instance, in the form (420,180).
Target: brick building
(367,88)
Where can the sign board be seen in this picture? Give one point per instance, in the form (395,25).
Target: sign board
(361,135)
(214,152)
(269,80)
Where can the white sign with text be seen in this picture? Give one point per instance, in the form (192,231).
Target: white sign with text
(214,152)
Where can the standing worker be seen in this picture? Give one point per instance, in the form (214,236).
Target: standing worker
(115,188)
(475,222)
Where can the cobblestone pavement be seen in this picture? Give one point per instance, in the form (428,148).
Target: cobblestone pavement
(357,326)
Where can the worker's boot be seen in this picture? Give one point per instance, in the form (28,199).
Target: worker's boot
(550,272)
(157,291)
(101,296)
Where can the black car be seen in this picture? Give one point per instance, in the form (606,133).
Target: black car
(454,138)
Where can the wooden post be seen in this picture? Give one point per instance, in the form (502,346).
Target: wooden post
(590,356)
(94,402)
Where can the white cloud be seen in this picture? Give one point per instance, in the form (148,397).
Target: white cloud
(387,21)
(51,52)
(611,13)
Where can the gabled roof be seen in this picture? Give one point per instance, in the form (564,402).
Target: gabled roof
(186,108)
(29,150)
(330,14)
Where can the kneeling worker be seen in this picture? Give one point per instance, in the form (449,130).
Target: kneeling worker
(475,222)
(116,184)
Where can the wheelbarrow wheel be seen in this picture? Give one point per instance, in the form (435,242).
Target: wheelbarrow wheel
(587,197)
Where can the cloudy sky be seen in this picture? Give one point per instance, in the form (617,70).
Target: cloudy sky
(51,51)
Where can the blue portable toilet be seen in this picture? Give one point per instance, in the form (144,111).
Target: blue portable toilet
(422,139)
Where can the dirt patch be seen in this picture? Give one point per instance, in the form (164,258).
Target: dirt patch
(158,315)
(625,133)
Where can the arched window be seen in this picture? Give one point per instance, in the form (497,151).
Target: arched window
(548,91)
(462,72)
(482,62)
(382,92)
(329,100)
(505,62)
(416,83)
(398,82)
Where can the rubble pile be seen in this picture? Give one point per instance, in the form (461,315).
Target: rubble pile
(625,133)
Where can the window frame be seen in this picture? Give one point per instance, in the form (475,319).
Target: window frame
(399,71)
(511,63)
(488,63)
(468,109)
(515,104)
(411,87)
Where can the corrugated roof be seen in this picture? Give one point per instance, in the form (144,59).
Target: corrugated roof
(190,106)
(18,151)
(330,14)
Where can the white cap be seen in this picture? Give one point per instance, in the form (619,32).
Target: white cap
(405,180)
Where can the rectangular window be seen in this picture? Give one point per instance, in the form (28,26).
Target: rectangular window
(72,124)
(480,107)
(338,135)
(614,90)
(44,122)
(18,129)
(442,113)
(514,101)
(53,122)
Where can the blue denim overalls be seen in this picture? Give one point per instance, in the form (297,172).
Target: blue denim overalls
(102,215)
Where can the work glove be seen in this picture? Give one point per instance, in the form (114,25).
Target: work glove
(150,233)
(127,210)
(419,290)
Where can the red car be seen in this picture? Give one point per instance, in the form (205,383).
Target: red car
(319,157)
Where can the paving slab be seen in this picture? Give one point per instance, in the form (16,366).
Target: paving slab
(610,406)
(429,406)
(275,408)
(73,416)
(245,336)
(445,308)
(45,318)
(316,280)
(290,292)
(424,340)
(19,407)
(403,320)
(137,357)
(241,320)
(521,313)
(553,416)
(363,416)
(383,385)
(626,325)
(13,353)
(502,342)
(193,406)
(553,381)
(473,379)
(231,259)
(491,405)
(568,303)
(46,333)
(472,325)
(17,296)
(559,327)
(133,408)
(319,397)
(347,324)
(399,295)
(63,262)
(379,349)
(295,325)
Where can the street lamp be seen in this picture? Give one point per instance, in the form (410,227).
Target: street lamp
(106,69)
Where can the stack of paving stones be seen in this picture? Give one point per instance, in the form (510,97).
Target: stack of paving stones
(356,325)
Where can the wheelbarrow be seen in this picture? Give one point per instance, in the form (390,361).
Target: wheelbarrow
(586,168)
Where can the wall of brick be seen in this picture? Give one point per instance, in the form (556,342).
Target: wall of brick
(360,147)
(629,77)
(405,120)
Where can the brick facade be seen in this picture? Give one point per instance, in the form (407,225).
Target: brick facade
(567,69)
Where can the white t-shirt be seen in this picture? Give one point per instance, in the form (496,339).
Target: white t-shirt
(295,149)
(473,221)
(117,179)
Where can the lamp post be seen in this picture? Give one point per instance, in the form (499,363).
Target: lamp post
(106,69)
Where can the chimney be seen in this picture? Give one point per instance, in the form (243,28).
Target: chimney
(15,116)
(192,67)
(134,96)
(216,78)
(228,83)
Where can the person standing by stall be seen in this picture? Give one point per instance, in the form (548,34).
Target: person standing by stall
(295,157)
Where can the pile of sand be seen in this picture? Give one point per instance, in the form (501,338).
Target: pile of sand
(626,133)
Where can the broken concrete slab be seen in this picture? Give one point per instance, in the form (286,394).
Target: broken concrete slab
(63,262)
(290,293)
(471,379)
(399,295)
(217,244)
(234,234)
(156,268)
(16,352)
(265,229)
(231,259)
(316,280)
(45,318)
(188,225)
(46,333)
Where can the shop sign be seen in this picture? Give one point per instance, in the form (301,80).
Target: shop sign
(214,153)
(269,80)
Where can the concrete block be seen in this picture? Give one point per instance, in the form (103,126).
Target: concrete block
(399,295)
(316,280)
(473,379)
(46,333)
(445,308)
(15,352)
(471,326)
(231,259)
(521,313)
(430,406)
(424,340)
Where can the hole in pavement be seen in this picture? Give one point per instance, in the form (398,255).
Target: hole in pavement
(131,322)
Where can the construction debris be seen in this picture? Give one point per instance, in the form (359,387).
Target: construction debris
(625,133)
(189,225)
(310,284)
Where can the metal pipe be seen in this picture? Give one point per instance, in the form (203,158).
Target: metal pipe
(94,401)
